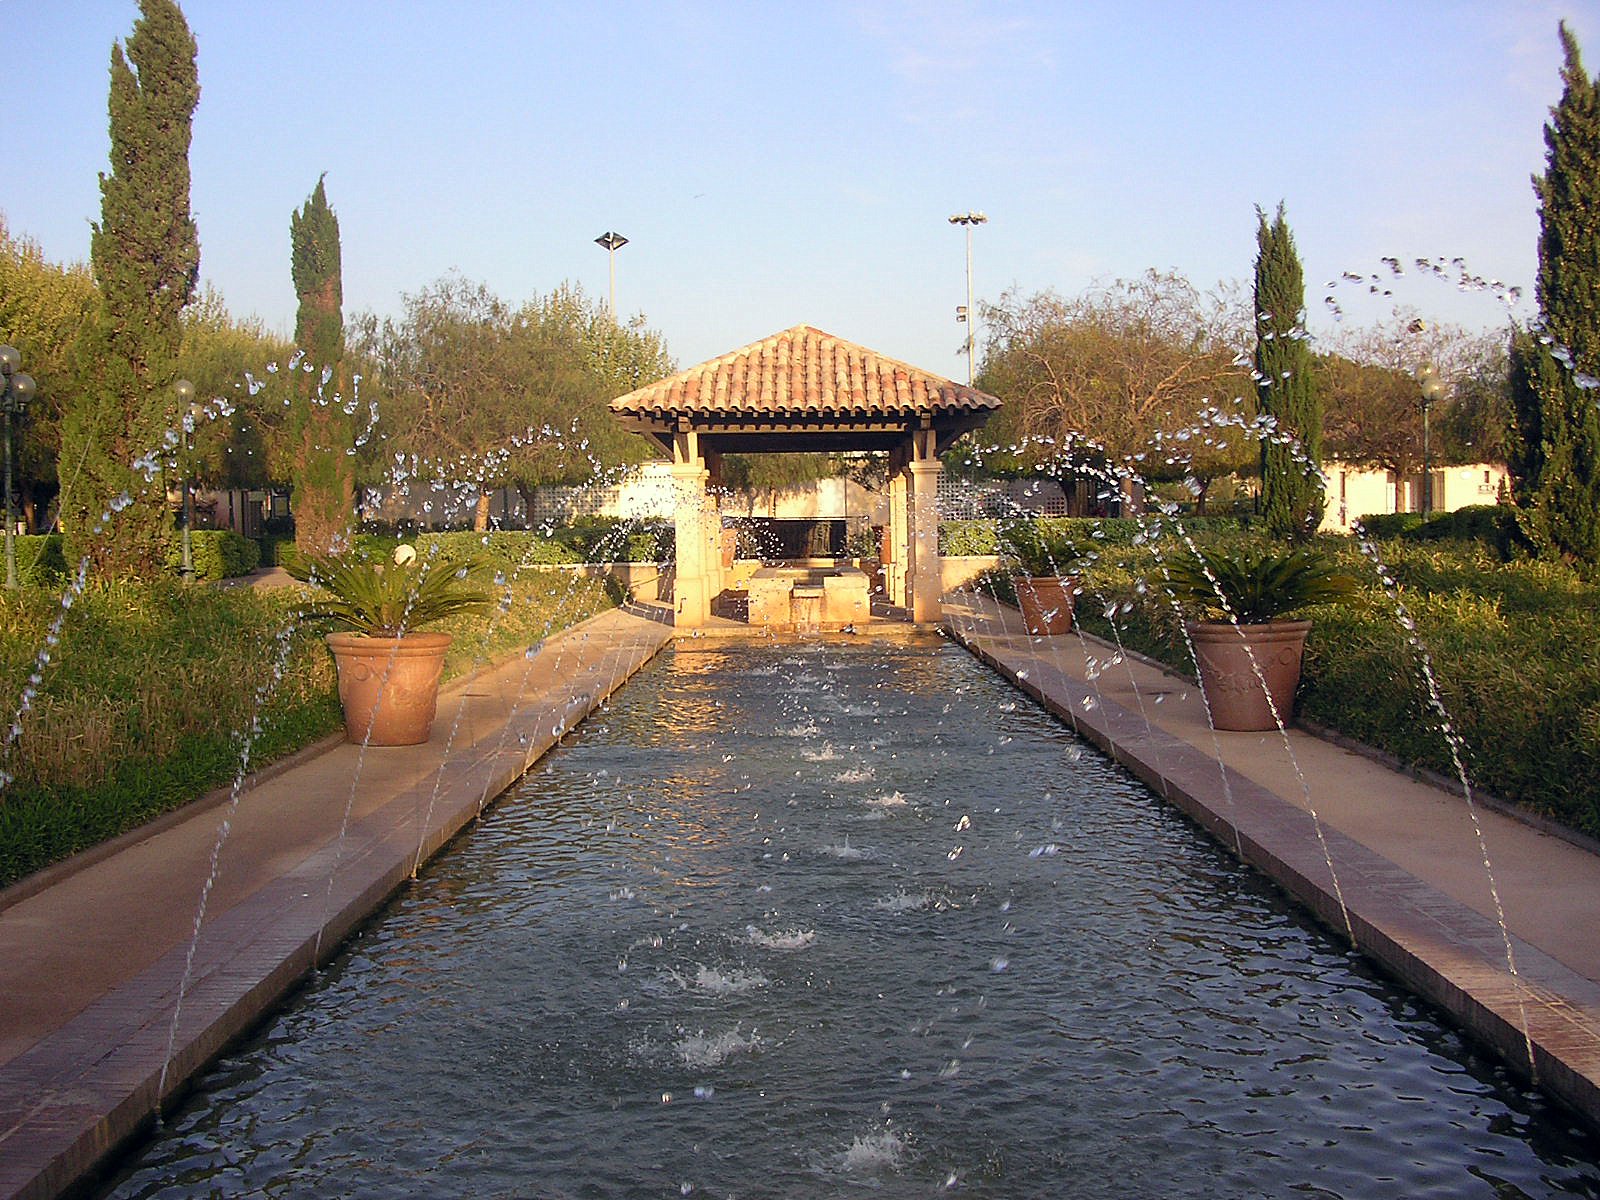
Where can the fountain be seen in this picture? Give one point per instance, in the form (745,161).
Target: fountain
(861,920)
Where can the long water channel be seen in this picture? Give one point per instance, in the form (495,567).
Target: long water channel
(848,919)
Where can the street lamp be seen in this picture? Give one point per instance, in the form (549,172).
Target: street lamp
(969,219)
(612,242)
(188,412)
(16,389)
(1433,389)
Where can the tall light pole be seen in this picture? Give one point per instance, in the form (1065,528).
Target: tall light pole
(184,390)
(969,219)
(1433,390)
(612,243)
(16,389)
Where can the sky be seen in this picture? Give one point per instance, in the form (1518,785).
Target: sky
(782,163)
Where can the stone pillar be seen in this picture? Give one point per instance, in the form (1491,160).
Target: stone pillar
(699,563)
(896,575)
(927,572)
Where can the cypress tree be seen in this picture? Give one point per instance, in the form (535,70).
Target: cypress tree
(145,255)
(1291,491)
(1554,451)
(323,484)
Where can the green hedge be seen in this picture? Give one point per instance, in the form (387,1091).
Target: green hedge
(1390,525)
(216,553)
(152,683)
(1515,648)
(960,538)
(41,560)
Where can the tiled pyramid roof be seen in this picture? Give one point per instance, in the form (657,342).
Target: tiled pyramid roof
(802,372)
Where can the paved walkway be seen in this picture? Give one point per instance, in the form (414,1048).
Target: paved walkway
(1395,863)
(92,954)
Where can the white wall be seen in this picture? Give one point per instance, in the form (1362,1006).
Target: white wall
(1355,492)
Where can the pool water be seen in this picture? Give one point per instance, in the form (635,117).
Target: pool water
(849,919)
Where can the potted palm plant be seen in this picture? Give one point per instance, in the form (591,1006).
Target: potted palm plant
(389,669)
(1045,584)
(1247,648)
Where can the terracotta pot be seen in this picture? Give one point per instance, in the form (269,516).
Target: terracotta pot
(1046,603)
(389,686)
(1224,653)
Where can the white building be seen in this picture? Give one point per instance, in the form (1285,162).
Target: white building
(1355,491)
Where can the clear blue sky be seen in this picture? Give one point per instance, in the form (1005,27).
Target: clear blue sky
(774,163)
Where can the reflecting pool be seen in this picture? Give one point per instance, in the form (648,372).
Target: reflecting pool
(844,919)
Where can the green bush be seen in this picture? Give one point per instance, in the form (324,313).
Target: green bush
(1515,648)
(151,685)
(216,553)
(1491,525)
(1390,525)
(273,546)
(979,537)
(40,559)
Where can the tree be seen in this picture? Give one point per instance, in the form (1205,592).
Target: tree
(320,435)
(1373,402)
(43,309)
(1554,449)
(145,255)
(1291,492)
(1118,375)
(483,395)
(241,448)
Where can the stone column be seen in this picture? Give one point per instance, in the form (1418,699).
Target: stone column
(693,580)
(927,571)
(896,576)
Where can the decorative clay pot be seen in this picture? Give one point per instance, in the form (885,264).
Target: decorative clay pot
(1046,603)
(389,686)
(1224,654)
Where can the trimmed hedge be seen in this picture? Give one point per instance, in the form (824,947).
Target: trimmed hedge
(216,553)
(41,561)
(976,537)
(1515,648)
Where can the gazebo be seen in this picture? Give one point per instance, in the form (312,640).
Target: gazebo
(797,391)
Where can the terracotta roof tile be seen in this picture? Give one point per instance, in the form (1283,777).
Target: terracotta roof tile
(801,371)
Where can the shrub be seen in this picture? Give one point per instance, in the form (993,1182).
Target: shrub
(216,553)
(1512,646)
(1390,525)
(1491,525)
(151,685)
(41,561)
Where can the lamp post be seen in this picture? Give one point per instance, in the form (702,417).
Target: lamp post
(187,412)
(612,243)
(1432,385)
(16,389)
(969,219)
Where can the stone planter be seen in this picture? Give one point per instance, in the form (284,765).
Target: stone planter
(389,686)
(1224,653)
(1046,602)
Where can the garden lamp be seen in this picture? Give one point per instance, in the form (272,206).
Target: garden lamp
(16,389)
(187,412)
(1433,389)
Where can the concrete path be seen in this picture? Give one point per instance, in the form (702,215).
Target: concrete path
(1392,863)
(94,953)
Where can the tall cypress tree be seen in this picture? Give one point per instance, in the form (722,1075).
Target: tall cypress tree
(323,495)
(1291,492)
(145,254)
(1554,452)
